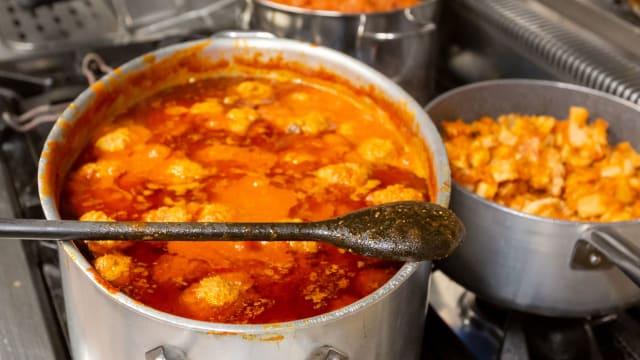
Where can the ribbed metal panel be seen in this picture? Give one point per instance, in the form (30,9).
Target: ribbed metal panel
(567,48)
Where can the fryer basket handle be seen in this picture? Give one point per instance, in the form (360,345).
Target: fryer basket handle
(620,251)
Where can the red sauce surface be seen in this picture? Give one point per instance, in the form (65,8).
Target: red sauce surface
(351,6)
(244,149)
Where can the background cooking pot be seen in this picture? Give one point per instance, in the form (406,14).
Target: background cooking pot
(103,324)
(399,43)
(535,264)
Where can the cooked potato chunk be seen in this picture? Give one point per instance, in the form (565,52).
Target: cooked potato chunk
(546,167)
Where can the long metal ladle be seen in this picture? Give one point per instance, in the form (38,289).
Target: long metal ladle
(406,231)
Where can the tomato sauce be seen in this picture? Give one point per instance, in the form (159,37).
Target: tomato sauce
(244,149)
(351,6)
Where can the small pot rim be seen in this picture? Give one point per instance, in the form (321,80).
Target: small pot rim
(281,46)
(332,13)
(537,83)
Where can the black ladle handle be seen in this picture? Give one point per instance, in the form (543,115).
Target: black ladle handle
(36,229)
(407,231)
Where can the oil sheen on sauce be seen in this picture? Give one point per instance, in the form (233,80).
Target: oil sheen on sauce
(243,149)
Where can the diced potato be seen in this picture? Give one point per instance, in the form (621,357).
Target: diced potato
(591,205)
(503,170)
(487,189)
(547,167)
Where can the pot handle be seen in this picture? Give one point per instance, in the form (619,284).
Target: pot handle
(164,353)
(618,250)
(412,15)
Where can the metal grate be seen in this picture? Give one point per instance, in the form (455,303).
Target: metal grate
(55,25)
(562,46)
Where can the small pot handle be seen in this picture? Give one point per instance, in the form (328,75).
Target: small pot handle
(618,250)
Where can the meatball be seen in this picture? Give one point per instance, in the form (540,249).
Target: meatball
(377,150)
(254,92)
(210,295)
(214,213)
(115,268)
(394,193)
(103,246)
(119,138)
(167,213)
(311,124)
(240,119)
(349,174)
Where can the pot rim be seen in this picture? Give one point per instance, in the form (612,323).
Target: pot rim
(333,13)
(541,83)
(280,46)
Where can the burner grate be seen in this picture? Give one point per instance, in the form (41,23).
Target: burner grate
(54,25)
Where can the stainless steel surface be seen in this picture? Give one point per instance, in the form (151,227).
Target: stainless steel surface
(26,337)
(608,18)
(70,25)
(164,353)
(67,22)
(386,324)
(524,262)
(536,38)
(401,44)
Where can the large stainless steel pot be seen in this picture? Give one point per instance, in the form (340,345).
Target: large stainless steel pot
(400,43)
(109,325)
(541,265)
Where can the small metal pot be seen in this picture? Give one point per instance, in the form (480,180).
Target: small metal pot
(399,43)
(104,324)
(541,265)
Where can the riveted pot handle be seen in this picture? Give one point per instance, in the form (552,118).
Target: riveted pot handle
(618,249)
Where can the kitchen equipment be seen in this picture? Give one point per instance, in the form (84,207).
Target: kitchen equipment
(541,265)
(386,324)
(403,231)
(400,43)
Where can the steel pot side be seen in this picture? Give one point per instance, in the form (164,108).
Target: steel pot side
(104,323)
(528,262)
(399,43)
